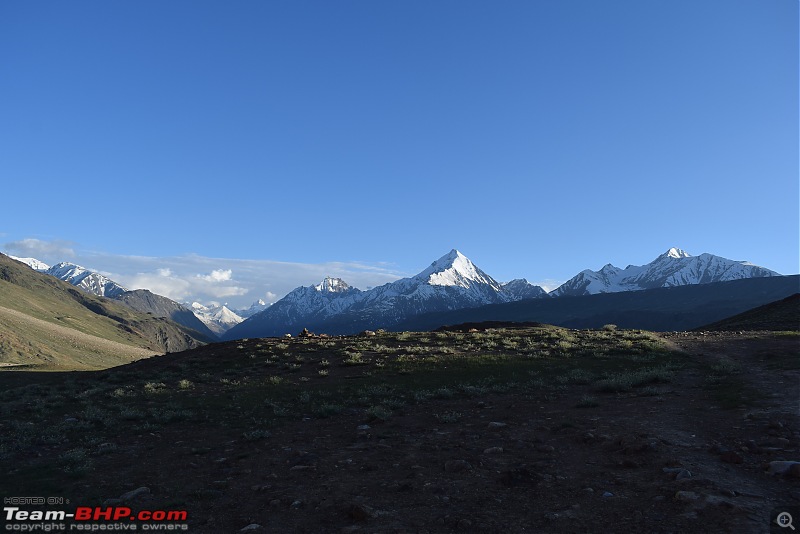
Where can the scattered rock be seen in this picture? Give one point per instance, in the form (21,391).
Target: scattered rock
(782,467)
(138,492)
(496,425)
(367,333)
(545,448)
(731,457)
(682,474)
(607,494)
(360,512)
(275,502)
(686,496)
(493,450)
(362,428)
(251,526)
(455,466)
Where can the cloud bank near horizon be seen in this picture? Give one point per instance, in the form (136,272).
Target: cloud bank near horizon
(194,278)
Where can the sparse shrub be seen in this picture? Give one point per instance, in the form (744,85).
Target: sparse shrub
(255,435)
(185,384)
(275,380)
(610,327)
(152,388)
(379,412)
(75,461)
(327,410)
(322,372)
(448,417)
(587,402)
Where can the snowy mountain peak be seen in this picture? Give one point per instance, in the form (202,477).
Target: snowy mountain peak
(677,253)
(332,285)
(87,280)
(455,269)
(33,263)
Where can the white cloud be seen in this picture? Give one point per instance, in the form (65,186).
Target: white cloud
(47,251)
(217,275)
(548,284)
(237,281)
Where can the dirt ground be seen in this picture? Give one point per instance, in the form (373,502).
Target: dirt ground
(674,461)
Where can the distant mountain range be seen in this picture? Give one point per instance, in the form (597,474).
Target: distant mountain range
(450,283)
(453,283)
(673,268)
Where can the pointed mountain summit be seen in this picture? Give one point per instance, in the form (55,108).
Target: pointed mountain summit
(675,267)
(450,283)
(455,269)
(332,285)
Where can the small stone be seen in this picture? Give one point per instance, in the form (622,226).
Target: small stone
(360,512)
(493,450)
(496,425)
(362,428)
(682,474)
(545,448)
(297,504)
(70,420)
(607,494)
(731,457)
(589,490)
(251,526)
(455,466)
(780,467)
(275,502)
(686,496)
(464,524)
(134,493)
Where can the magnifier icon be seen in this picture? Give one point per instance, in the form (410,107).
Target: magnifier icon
(784,520)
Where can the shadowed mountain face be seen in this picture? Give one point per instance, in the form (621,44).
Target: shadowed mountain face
(662,309)
(147,302)
(782,315)
(25,292)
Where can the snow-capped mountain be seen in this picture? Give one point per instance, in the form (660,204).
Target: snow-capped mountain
(451,282)
(87,280)
(33,263)
(521,289)
(675,267)
(257,306)
(219,319)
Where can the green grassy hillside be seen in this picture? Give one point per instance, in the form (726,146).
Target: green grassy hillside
(48,323)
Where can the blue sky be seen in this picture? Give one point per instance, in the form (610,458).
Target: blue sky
(540,138)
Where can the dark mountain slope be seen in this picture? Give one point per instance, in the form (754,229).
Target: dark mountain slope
(662,309)
(781,315)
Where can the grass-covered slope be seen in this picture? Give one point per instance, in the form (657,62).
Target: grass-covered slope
(82,324)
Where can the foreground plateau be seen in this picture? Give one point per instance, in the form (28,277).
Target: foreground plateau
(503,429)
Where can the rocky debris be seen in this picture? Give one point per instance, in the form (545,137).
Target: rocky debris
(456,466)
(367,333)
(731,457)
(519,476)
(496,425)
(251,526)
(785,468)
(138,492)
(677,473)
(493,450)
(607,494)
(305,333)
(686,496)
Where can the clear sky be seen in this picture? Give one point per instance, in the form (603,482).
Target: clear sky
(540,138)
